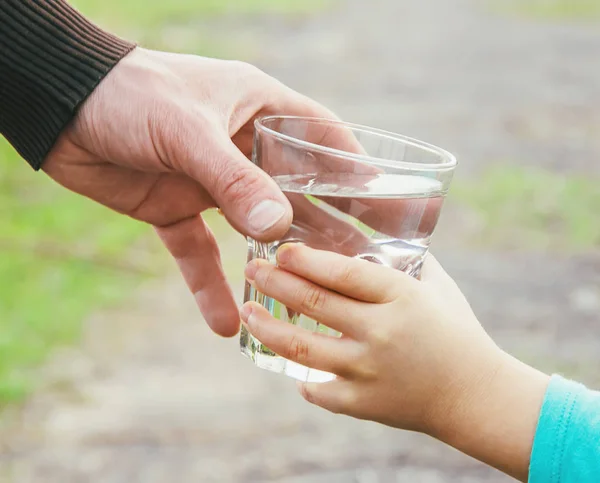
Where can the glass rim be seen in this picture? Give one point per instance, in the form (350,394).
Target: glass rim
(450,163)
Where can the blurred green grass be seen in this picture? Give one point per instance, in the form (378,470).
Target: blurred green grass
(184,25)
(148,15)
(531,208)
(552,9)
(62,256)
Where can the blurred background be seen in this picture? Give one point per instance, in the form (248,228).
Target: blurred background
(108,373)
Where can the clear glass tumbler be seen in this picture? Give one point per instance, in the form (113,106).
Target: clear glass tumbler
(355,190)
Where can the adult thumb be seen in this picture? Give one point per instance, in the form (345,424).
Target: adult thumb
(247,196)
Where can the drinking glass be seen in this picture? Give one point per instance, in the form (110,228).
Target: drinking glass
(355,190)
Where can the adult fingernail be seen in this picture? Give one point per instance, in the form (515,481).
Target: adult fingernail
(265,215)
(250,270)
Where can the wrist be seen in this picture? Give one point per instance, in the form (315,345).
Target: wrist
(52,59)
(468,385)
(494,417)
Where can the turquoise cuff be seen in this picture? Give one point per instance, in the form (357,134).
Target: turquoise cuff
(553,431)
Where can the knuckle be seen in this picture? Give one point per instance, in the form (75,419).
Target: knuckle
(343,274)
(298,350)
(237,65)
(313,299)
(367,372)
(248,69)
(264,278)
(237,183)
(365,369)
(347,401)
(251,80)
(379,337)
(409,302)
(402,296)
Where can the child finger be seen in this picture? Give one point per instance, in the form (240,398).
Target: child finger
(359,279)
(329,308)
(294,343)
(339,396)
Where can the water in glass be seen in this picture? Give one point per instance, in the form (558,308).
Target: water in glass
(383,218)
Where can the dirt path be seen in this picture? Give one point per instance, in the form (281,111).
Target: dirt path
(153,397)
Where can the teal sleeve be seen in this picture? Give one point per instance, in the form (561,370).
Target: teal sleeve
(566,448)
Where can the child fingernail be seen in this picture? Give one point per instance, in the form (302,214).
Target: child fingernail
(283,254)
(250,271)
(249,316)
(245,312)
(252,320)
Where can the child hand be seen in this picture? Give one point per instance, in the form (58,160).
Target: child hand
(408,345)
(413,354)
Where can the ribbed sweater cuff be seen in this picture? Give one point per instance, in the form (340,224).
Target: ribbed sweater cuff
(51,59)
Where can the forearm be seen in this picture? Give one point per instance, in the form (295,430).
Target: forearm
(496,421)
(51,59)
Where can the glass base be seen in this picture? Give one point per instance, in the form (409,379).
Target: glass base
(274,363)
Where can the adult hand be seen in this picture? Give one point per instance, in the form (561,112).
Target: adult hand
(167,136)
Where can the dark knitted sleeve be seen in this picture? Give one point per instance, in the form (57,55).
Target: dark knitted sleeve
(51,59)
